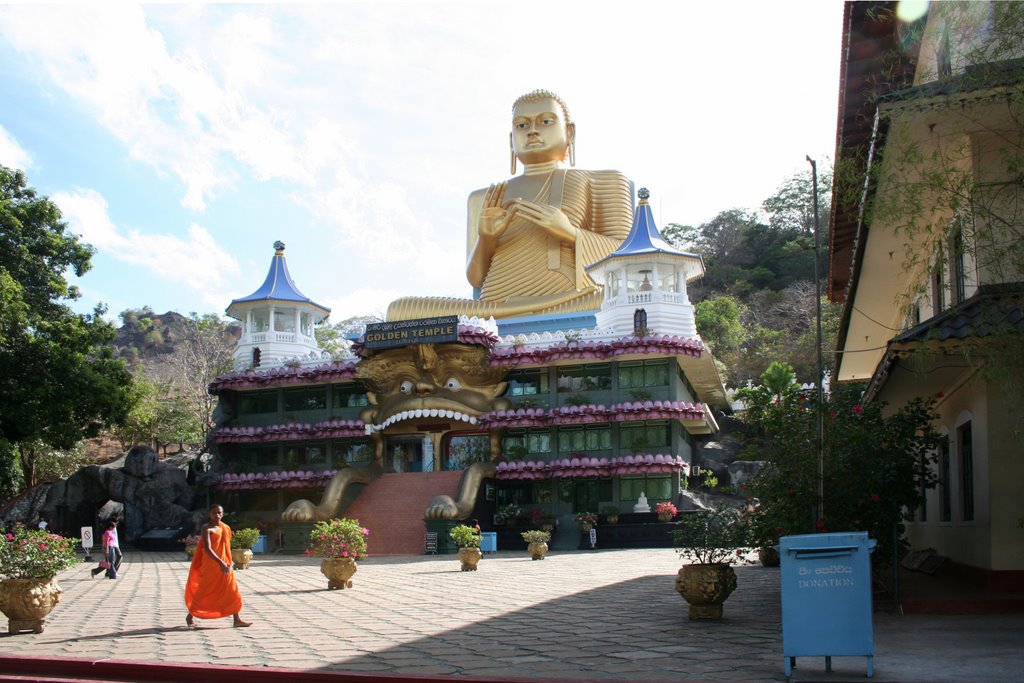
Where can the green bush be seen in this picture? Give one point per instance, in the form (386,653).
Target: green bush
(245,538)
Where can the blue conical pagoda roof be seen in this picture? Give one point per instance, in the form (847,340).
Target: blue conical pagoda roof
(644,237)
(278,287)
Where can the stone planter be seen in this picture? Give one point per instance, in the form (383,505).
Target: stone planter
(664,516)
(469,557)
(537,550)
(706,587)
(26,602)
(612,519)
(339,571)
(768,556)
(241,557)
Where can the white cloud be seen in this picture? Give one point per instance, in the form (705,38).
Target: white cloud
(11,153)
(196,262)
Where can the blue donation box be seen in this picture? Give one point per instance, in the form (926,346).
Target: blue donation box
(826,597)
(489,542)
(260,546)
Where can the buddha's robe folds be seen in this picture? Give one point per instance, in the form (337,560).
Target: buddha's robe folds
(209,592)
(531,272)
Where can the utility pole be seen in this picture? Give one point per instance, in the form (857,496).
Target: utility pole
(819,416)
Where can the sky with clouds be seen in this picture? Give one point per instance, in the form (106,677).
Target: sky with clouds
(182,140)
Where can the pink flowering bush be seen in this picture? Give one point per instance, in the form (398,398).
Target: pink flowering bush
(666,509)
(35,554)
(338,538)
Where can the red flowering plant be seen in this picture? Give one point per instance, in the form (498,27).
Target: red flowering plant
(877,463)
(35,554)
(336,538)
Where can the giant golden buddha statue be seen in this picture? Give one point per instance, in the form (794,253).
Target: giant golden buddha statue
(530,237)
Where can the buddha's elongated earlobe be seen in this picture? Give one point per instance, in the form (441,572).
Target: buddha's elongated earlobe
(512,153)
(571,131)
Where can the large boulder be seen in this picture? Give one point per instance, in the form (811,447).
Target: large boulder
(153,494)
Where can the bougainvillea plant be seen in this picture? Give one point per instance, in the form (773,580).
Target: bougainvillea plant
(35,554)
(336,538)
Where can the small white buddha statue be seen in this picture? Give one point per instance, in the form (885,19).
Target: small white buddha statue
(641,504)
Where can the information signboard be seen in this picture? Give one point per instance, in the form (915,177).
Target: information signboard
(404,332)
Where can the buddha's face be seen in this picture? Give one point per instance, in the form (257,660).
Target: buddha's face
(540,132)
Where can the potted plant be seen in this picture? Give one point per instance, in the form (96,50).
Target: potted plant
(587,521)
(340,542)
(611,514)
(191,543)
(709,538)
(537,543)
(509,513)
(666,511)
(242,542)
(30,560)
(468,539)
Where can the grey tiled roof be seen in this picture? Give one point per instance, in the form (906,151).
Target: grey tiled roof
(995,309)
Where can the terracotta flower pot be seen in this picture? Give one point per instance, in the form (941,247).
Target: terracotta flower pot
(26,602)
(664,516)
(469,557)
(339,571)
(706,587)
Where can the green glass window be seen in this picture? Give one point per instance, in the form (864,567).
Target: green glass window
(297,400)
(647,374)
(350,397)
(257,402)
(644,435)
(352,452)
(585,378)
(527,383)
(584,439)
(657,488)
(519,444)
(257,457)
(300,454)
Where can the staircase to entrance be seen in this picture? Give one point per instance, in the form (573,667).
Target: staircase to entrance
(392,507)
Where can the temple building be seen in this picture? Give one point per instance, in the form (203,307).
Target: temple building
(574,382)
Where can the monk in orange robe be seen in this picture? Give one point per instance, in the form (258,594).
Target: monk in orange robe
(211,591)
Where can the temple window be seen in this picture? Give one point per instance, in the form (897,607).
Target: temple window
(584,378)
(584,439)
(257,402)
(657,488)
(297,400)
(462,450)
(351,452)
(350,397)
(527,383)
(643,374)
(299,454)
(638,436)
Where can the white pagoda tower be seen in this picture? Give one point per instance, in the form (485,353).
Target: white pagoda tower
(645,281)
(277,320)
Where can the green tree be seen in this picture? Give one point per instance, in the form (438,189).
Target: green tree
(60,382)
(877,462)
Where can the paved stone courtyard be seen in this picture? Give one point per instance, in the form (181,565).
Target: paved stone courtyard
(600,615)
